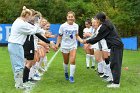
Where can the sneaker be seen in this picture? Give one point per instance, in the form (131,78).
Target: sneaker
(66,76)
(71,79)
(100,74)
(36,77)
(19,87)
(92,67)
(113,85)
(105,77)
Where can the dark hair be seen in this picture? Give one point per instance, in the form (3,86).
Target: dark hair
(101,16)
(88,20)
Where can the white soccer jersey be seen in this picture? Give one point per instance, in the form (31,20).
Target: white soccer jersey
(68,33)
(86,30)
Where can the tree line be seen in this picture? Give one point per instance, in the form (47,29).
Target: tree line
(125,14)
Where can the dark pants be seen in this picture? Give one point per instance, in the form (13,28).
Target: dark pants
(116,63)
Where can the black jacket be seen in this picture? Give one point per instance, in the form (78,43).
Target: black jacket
(108,32)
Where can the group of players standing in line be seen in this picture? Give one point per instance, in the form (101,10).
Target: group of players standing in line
(28,45)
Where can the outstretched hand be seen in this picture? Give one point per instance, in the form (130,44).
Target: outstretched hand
(52,45)
(84,41)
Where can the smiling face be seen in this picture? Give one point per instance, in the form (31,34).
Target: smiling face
(95,23)
(70,18)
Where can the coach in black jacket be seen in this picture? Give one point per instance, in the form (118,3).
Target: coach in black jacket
(108,32)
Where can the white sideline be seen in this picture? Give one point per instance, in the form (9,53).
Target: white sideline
(48,65)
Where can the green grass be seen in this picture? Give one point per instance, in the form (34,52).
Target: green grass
(86,80)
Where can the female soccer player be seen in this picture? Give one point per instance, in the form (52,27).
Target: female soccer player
(108,32)
(89,51)
(68,33)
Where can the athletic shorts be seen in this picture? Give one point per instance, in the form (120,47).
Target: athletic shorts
(29,48)
(64,50)
(101,45)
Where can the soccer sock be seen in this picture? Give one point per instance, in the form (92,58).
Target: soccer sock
(72,70)
(93,60)
(65,67)
(32,72)
(104,68)
(100,67)
(109,73)
(26,74)
(87,59)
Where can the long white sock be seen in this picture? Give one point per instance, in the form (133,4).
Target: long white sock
(93,60)
(87,59)
(100,67)
(104,68)
(65,67)
(72,70)
(109,73)
(32,72)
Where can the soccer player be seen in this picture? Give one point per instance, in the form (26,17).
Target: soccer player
(108,32)
(68,33)
(89,51)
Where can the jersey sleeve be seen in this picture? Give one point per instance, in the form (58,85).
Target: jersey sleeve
(61,30)
(77,30)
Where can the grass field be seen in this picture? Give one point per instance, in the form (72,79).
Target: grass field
(86,80)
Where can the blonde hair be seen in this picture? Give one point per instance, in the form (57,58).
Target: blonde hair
(36,13)
(25,11)
(71,12)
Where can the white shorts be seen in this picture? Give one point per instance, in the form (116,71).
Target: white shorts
(94,46)
(104,46)
(64,50)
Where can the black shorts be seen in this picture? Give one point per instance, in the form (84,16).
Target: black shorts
(29,47)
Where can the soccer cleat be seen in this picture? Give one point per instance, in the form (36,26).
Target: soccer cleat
(66,76)
(71,79)
(113,85)
(92,67)
(87,67)
(100,74)
(105,77)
